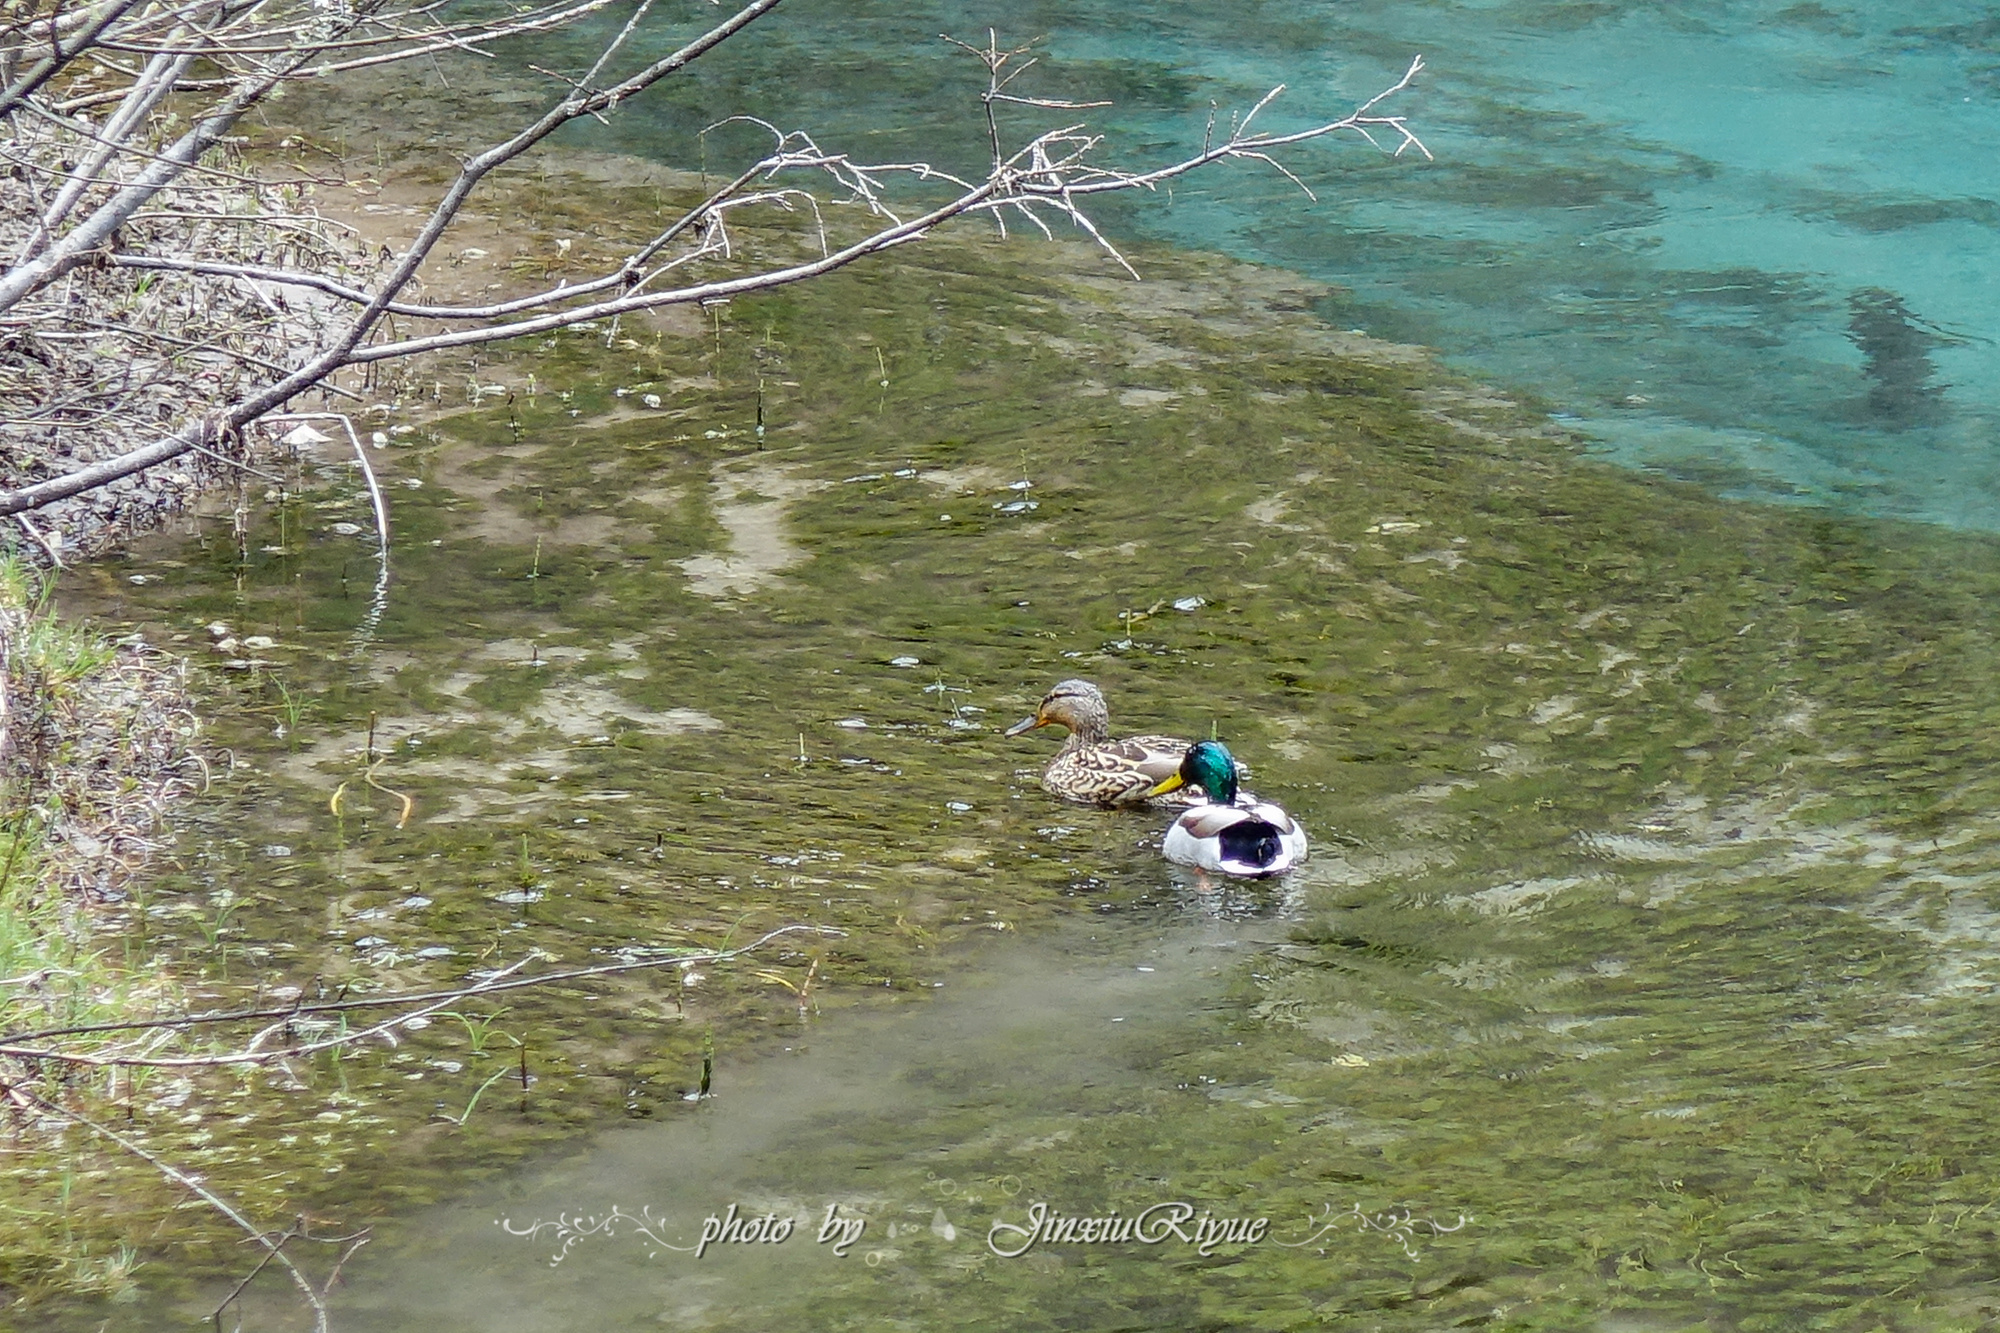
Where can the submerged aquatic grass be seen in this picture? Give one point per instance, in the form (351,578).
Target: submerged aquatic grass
(1650,929)
(94,747)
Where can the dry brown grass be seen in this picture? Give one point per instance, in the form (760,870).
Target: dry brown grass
(110,358)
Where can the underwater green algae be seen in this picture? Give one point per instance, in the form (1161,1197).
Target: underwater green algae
(1648,921)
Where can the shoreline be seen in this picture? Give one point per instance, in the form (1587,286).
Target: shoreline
(518,719)
(1152,300)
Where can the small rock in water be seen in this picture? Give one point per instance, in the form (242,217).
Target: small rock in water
(1190,603)
(852,723)
(905,661)
(347,529)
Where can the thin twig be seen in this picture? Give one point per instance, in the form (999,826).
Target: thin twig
(108,207)
(422,1003)
(274,1249)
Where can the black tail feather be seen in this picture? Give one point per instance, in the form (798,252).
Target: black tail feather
(1252,842)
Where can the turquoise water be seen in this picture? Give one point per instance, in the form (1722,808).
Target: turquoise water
(1651,926)
(1754,244)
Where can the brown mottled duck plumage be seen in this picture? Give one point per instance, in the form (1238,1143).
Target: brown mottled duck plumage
(1093,768)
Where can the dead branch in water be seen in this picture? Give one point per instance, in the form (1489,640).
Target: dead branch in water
(158,298)
(288,1018)
(315,1294)
(23,1057)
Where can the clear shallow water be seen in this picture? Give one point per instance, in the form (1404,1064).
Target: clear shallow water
(1650,927)
(1755,244)
(869,1117)
(1651,924)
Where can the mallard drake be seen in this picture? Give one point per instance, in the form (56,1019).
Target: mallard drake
(1091,766)
(1235,833)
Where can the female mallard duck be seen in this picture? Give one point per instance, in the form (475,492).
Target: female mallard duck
(1234,834)
(1091,766)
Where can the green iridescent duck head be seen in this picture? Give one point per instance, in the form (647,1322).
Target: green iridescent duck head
(1206,765)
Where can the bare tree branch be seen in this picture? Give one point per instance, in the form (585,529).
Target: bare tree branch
(137,228)
(315,1295)
(421,1004)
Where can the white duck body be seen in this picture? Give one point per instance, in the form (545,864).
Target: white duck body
(1232,834)
(1250,838)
